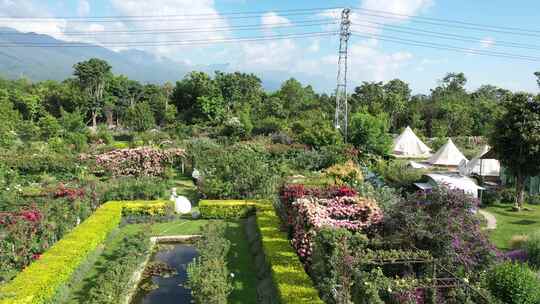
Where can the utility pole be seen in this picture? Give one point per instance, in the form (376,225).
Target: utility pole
(341,118)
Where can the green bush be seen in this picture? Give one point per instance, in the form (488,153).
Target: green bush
(327,256)
(534,199)
(39,282)
(490,197)
(237,172)
(136,188)
(109,286)
(140,117)
(514,283)
(49,126)
(508,195)
(208,275)
(398,174)
(292,282)
(532,247)
(104,134)
(225,209)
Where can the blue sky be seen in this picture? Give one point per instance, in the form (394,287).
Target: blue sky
(313,60)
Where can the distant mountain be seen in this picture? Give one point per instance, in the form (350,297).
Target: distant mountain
(56,63)
(42,63)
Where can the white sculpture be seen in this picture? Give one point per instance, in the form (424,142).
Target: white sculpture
(173,195)
(182,205)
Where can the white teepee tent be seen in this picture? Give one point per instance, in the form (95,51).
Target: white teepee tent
(409,145)
(448,155)
(482,167)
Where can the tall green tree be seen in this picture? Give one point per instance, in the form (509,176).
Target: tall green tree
(92,75)
(396,97)
(516,140)
(369,133)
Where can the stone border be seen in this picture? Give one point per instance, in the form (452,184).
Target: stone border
(136,277)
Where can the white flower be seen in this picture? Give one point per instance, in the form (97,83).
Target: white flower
(232,275)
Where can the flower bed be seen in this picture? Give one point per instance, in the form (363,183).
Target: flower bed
(307,210)
(144,161)
(39,282)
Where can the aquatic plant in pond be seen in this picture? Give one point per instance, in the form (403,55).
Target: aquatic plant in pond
(165,275)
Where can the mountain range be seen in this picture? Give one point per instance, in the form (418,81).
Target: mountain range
(56,63)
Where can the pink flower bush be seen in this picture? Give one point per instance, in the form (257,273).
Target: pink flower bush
(312,214)
(144,161)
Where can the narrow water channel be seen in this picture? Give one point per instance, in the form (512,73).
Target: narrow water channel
(170,290)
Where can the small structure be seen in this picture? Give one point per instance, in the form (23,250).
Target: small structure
(482,166)
(407,144)
(182,205)
(451,181)
(448,156)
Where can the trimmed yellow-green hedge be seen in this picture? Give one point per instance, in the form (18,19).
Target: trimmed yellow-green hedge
(293,284)
(39,282)
(226,209)
(145,208)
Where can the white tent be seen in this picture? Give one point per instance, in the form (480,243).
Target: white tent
(407,144)
(482,167)
(457,182)
(448,155)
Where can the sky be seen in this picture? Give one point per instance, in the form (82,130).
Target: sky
(313,60)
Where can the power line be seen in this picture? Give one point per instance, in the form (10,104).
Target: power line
(483,29)
(446,47)
(217,17)
(447,36)
(173,15)
(449,21)
(304,23)
(172,43)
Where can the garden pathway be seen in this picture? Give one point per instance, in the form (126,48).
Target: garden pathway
(491,220)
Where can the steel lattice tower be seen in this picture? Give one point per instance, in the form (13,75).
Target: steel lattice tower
(341,118)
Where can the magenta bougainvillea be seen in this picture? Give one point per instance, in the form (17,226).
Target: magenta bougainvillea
(144,161)
(310,209)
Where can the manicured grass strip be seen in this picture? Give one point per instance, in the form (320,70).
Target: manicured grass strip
(293,284)
(241,264)
(510,223)
(226,209)
(39,282)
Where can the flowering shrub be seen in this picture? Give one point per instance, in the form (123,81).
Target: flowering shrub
(311,214)
(143,161)
(345,174)
(71,193)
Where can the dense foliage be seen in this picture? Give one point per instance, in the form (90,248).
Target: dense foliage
(208,275)
(514,283)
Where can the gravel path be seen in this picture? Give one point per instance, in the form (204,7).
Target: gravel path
(491,220)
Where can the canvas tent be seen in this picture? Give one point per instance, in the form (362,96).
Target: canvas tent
(482,166)
(407,144)
(453,181)
(448,155)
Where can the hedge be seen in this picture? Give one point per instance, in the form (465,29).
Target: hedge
(144,208)
(226,209)
(293,284)
(39,282)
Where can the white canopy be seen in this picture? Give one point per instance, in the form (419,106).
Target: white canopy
(448,155)
(463,183)
(409,145)
(482,167)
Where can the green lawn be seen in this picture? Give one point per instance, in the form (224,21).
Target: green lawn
(510,223)
(240,259)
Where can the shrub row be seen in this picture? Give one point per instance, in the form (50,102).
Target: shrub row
(226,209)
(39,282)
(293,284)
(159,208)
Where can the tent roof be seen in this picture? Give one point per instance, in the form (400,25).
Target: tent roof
(448,155)
(483,166)
(408,144)
(452,181)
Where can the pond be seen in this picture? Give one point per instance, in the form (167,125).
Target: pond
(166,276)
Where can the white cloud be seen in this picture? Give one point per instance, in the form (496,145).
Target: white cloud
(271,18)
(487,42)
(84,8)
